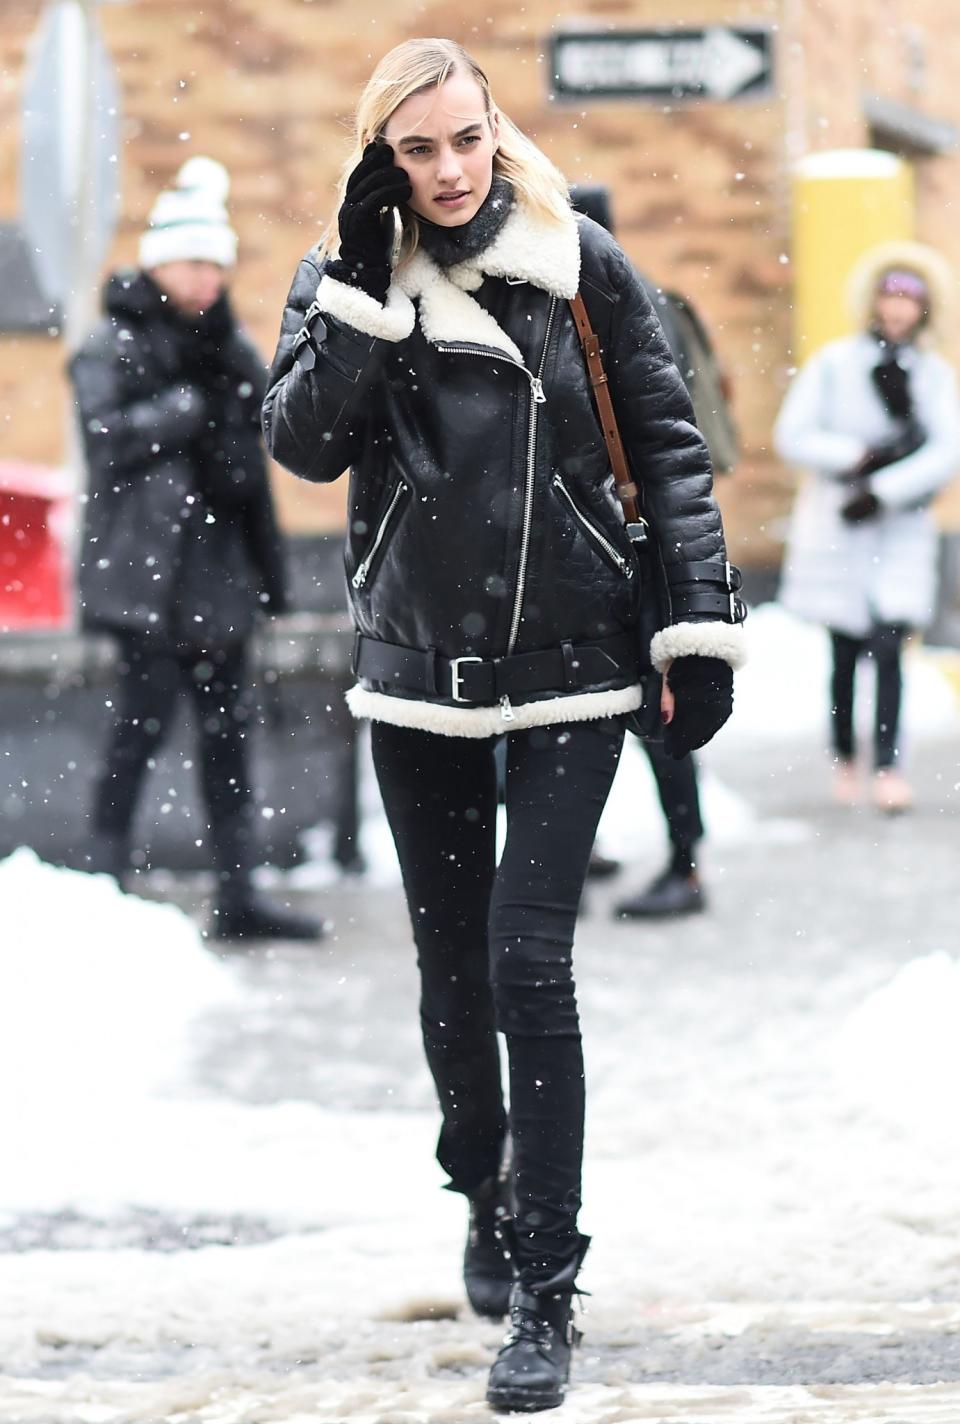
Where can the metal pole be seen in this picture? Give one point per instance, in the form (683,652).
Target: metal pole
(76,116)
(79,307)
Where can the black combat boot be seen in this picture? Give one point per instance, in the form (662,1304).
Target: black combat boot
(240,912)
(250,916)
(487,1270)
(532,1370)
(672,894)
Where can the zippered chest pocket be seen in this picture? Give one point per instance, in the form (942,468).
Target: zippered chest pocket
(606,547)
(381,535)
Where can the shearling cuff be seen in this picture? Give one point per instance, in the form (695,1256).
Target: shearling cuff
(703,640)
(351,305)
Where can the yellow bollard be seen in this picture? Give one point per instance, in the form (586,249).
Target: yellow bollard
(845,201)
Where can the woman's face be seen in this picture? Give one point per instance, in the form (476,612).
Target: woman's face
(445,141)
(897,315)
(193,287)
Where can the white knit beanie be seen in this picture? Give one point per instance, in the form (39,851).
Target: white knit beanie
(188,222)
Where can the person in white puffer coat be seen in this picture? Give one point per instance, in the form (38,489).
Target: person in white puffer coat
(875,420)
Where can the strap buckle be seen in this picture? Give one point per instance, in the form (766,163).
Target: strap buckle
(456,681)
(734,578)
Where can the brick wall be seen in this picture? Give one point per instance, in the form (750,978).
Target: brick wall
(701,192)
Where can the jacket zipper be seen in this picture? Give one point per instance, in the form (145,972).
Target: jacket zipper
(528,493)
(612,553)
(363,568)
(536,385)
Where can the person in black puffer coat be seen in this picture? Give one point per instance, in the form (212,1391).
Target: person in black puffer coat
(181,550)
(494,590)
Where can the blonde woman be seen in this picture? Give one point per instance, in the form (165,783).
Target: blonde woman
(495,591)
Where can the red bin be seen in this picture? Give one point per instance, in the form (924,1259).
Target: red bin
(34,507)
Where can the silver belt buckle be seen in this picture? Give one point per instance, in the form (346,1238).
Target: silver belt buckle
(455,679)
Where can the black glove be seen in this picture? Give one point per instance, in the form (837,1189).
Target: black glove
(908,442)
(375,184)
(703,694)
(860,507)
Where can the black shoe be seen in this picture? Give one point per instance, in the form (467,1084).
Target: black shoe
(532,1369)
(671,894)
(258,918)
(487,1269)
(602,867)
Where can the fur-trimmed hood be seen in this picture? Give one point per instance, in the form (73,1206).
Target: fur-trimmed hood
(914,257)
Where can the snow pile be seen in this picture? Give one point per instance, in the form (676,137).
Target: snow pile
(97,989)
(899,1052)
(102,1004)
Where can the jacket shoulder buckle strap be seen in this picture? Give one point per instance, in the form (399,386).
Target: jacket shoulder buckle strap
(304,349)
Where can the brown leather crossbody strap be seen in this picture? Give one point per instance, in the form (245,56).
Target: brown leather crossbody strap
(590,341)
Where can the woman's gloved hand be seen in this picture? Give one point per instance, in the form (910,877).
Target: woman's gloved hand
(375,184)
(702,691)
(888,452)
(861,506)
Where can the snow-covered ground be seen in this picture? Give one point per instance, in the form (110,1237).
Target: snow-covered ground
(773,1162)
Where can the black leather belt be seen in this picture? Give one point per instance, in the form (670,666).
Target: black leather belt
(566,668)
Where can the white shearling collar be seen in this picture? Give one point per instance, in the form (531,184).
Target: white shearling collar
(447,313)
(545,254)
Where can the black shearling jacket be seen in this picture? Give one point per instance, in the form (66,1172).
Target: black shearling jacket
(483,522)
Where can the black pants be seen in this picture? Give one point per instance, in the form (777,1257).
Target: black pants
(679,795)
(150,680)
(494,948)
(883,645)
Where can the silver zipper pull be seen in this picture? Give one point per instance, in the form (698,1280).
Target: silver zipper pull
(536,385)
(360,577)
(507,713)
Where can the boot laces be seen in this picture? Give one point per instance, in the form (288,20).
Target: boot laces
(526,1325)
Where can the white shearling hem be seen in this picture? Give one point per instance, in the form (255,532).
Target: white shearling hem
(392,322)
(488,721)
(704,640)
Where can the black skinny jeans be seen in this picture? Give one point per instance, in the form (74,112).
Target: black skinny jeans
(150,679)
(494,948)
(883,645)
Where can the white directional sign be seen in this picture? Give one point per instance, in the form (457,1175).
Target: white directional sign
(721,62)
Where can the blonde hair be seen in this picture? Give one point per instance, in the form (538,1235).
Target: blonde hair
(418,65)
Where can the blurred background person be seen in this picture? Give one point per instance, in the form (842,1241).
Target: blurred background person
(181,549)
(875,419)
(677,889)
